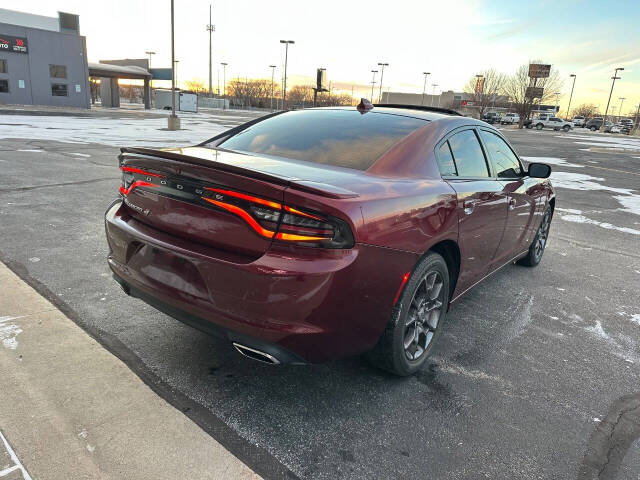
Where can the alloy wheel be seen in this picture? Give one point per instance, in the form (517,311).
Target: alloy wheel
(424,315)
(541,237)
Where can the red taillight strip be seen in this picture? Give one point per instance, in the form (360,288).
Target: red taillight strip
(242,214)
(137,183)
(405,279)
(243,196)
(141,172)
(298,238)
(295,211)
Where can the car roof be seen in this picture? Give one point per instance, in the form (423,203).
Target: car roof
(424,113)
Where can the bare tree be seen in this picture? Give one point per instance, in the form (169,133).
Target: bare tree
(300,94)
(484,90)
(195,85)
(586,110)
(516,88)
(250,93)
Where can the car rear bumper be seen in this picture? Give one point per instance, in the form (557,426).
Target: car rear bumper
(297,304)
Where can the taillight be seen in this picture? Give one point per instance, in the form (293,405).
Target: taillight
(129,181)
(283,223)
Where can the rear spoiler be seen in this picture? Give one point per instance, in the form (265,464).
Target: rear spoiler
(321,189)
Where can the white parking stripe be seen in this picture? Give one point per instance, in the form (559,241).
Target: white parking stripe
(15,459)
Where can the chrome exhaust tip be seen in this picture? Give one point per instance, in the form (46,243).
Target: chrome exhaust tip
(254,354)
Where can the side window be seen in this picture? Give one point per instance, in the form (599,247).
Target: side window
(59,90)
(4,86)
(3,65)
(445,161)
(504,160)
(57,71)
(468,155)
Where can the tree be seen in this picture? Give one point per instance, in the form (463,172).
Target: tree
(250,93)
(484,91)
(586,110)
(195,85)
(300,94)
(516,88)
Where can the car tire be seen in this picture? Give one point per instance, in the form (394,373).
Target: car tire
(566,128)
(536,249)
(539,126)
(416,321)
(593,129)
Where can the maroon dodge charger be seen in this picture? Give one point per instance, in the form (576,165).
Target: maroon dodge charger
(311,235)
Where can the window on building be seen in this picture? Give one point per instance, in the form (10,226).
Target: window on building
(4,86)
(3,65)
(59,90)
(69,22)
(57,71)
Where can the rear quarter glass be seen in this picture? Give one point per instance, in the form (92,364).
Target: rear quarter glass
(343,138)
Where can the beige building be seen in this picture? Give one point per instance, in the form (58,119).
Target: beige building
(460,101)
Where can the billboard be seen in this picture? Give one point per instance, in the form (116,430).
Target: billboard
(321,80)
(538,70)
(534,92)
(479,85)
(13,44)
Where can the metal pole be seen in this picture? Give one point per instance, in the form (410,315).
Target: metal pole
(433,93)
(571,96)
(606,111)
(286,60)
(424,86)
(636,122)
(273,69)
(373,82)
(210,29)
(622,99)
(150,53)
(173,64)
(224,85)
(381,79)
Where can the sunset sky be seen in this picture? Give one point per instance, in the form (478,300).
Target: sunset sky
(453,39)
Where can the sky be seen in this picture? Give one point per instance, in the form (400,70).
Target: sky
(452,39)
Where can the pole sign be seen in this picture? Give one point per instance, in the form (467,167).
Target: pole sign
(537,70)
(479,85)
(534,92)
(13,44)
(321,80)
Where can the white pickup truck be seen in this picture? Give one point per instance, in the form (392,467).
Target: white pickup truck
(548,120)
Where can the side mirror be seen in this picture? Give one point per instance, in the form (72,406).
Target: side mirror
(539,170)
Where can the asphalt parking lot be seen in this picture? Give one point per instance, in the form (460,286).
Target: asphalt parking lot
(532,370)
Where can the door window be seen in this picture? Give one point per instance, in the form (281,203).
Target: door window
(445,161)
(467,154)
(504,160)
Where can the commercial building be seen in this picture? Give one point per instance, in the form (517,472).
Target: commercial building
(43,60)
(460,101)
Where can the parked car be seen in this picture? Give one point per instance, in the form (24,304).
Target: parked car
(551,121)
(310,235)
(595,123)
(578,121)
(510,119)
(491,117)
(624,128)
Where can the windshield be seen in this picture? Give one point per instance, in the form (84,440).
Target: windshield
(343,138)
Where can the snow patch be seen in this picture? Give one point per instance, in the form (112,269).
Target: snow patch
(582,181)
(552,161)
(630,203)
(80,154)
(589,221)
(9,332)
(635,318)
(569,210)
(27,150)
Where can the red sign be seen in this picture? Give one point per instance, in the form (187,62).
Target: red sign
(13,44)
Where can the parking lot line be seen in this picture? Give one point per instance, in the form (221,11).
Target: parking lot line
(17,464)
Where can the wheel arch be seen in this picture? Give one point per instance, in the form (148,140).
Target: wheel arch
(450,251)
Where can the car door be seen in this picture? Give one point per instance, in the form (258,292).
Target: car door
(523,196)
(482,205)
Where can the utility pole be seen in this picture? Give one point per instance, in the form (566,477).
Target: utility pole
(614,78)
(424,86)
(210,28)
(433,93)
(557,94)
(174,121)
(571,96)
(224,85)
(381,78)
(636,122)
(273,69)
(622,99)
(286,59)
(373,82)
(150,53)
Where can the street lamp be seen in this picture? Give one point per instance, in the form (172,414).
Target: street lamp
(557,94)
(173,121)
(381,77)
(273,69)
(614,78)
(175,71)
(150,53)
(373,82)
(286,58)
(622,99)
(571,96)
(433,93)
(210,28)
(424,86)
(224,85)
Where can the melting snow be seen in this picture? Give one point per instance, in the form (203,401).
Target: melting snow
(582,219)
(552,161)
(582,181)
(630,203)
(9,332)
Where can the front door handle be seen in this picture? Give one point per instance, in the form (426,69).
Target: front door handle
(512,203)
(469,205)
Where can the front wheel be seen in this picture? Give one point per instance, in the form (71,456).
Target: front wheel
(536,249)
(416,321)
(566,128)
(539,126)
(593,129)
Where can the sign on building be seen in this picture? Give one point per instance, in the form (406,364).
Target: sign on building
(13,44)
(538,70)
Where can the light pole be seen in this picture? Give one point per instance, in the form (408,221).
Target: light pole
(224,85)
(622,99)
(571,96)
(373,82)
(433,92)
(606,111)
(210,28)
(286,58)
(381,77)
(636,121)
(174,121)
(175,72)
(150,53)
(273,69)
(424,86)
(557,94)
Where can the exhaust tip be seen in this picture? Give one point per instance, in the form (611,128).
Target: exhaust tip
(254,354)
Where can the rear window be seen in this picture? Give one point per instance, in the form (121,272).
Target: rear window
(343,138)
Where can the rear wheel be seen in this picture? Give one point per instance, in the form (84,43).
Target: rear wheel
(566,128)
(536,249)
(416,321)
(539,126)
